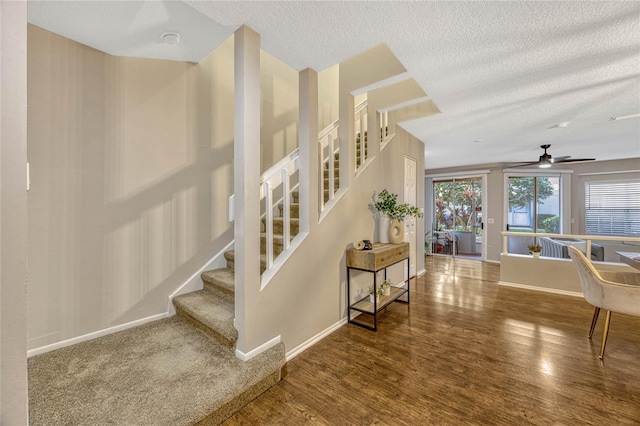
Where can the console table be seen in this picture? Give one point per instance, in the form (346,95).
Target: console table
(379,258)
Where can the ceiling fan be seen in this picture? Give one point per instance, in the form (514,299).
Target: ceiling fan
(546,160)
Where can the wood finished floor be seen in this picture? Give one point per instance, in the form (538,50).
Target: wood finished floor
(465,352)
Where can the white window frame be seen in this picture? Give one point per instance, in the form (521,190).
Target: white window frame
(606,182)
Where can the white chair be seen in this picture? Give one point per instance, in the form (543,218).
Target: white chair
(611,291)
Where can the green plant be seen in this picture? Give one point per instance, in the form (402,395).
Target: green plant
(552,224)
(387,203)
(534,248)
(378,291)
(385,284)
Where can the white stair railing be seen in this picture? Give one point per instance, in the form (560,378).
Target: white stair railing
(383,119)
(361,132)
(329,150)
(278,176)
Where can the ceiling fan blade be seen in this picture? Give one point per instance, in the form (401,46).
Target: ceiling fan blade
(525,164)
(575,160)
(560,158)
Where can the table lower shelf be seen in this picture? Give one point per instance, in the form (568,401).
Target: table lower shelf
(366,306)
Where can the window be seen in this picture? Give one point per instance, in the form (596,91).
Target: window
(612,208)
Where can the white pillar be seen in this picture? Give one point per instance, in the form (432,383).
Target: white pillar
(309,151)
(246,179)
(13,213)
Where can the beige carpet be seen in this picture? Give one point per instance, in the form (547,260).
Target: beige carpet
(162,373)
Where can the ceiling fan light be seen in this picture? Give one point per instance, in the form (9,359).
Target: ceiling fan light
(544,165)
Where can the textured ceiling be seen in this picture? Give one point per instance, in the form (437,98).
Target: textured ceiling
(501,72)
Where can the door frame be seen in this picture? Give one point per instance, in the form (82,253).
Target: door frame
(483,174)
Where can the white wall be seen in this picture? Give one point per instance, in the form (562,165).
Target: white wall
(13,208)
(131,169)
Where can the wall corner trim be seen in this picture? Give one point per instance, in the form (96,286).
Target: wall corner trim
(257,351)
(315,339)
(94,335)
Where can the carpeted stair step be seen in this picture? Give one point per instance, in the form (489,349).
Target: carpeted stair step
(336,164)
(278,226)
(161,373)
(231,255)
(336,173)
(336,182)
(210,312)
(278,244)
(222,280)
(294,209)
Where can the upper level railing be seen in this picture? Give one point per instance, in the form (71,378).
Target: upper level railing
(385,135)
(360,124)
(329,150)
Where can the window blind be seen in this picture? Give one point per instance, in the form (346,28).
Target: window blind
(612,208)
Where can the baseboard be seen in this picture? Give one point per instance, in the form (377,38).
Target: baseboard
(315,339)
(497,262)
(94,335)
(544,289)
(194,283)
(421,272)
(257,351)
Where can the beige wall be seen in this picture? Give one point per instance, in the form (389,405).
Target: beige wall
(328,88)
(13,209)
(131,169)
(308,294)
(278,110)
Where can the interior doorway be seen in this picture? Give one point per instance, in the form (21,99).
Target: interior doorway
(457,228)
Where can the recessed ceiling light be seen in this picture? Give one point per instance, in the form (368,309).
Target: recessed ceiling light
(170,38)
(477,141)
(624,117)
(560,125)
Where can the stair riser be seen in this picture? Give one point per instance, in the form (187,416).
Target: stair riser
(278,227)
(294,209)
(223,340)
(278,246)
(336,174)
(212,286)
(230,258)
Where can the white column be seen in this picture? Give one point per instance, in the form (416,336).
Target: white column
(310,192)
(13,213)
(246,179)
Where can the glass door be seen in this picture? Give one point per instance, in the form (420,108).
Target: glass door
(457,224)
(534,206)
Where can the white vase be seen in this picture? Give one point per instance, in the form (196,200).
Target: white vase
(371,299)
(382,228)
(536,254)
(396,231)
(386,291)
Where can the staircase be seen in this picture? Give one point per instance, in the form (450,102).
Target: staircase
(212,311)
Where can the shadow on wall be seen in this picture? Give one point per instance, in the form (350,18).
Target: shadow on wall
(128,159)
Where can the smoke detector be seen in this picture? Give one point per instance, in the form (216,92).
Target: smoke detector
(170,38)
